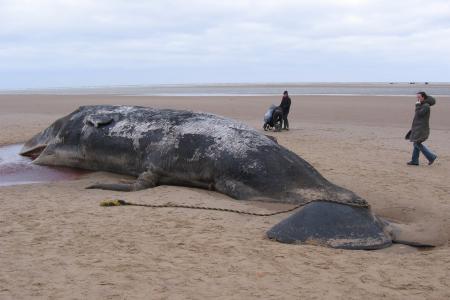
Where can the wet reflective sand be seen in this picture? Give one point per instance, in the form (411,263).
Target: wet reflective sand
(16,169)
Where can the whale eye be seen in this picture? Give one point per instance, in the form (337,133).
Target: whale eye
(99,120)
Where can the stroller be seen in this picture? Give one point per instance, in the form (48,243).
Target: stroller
(273,118)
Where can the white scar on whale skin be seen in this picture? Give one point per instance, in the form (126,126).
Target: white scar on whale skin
(232,137)
(135,131)
(235,138)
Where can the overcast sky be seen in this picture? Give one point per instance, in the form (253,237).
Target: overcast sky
(46,43)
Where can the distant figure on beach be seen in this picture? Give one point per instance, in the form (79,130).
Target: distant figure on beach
(285,106)
(420,129)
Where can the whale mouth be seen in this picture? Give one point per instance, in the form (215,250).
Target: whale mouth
(33,152)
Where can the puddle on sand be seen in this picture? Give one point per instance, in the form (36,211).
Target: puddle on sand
(16,169)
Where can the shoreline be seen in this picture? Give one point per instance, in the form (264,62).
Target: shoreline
(218,95)
(246,89)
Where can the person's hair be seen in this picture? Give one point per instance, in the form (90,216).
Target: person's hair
(424,95)
(285,92)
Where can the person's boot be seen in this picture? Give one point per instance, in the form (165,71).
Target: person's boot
(430,162)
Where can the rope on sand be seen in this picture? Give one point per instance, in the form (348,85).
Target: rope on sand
(119,202)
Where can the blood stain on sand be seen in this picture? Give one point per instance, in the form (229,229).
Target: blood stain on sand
(16,169)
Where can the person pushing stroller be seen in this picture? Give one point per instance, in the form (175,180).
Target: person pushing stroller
(277,115)
(285,106)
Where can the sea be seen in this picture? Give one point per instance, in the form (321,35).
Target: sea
(250,89)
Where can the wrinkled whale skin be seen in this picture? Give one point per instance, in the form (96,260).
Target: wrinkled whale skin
(165,146)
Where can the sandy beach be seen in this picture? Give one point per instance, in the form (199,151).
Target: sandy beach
(58,243)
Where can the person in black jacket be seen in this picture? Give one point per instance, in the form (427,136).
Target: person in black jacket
(420,129)
(285,106)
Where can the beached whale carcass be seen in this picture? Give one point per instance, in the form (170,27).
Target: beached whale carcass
(176,147)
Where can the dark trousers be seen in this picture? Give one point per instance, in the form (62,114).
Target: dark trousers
(285,121)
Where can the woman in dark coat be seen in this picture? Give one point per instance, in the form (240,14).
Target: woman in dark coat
(420,129)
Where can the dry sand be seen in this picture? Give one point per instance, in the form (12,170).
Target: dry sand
(57,242)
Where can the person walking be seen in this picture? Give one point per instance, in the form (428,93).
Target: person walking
(285,106)
(420,129)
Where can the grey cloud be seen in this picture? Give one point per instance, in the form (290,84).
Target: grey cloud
(103,34)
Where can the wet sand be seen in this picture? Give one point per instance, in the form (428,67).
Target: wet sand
(16,169)
(57,242)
